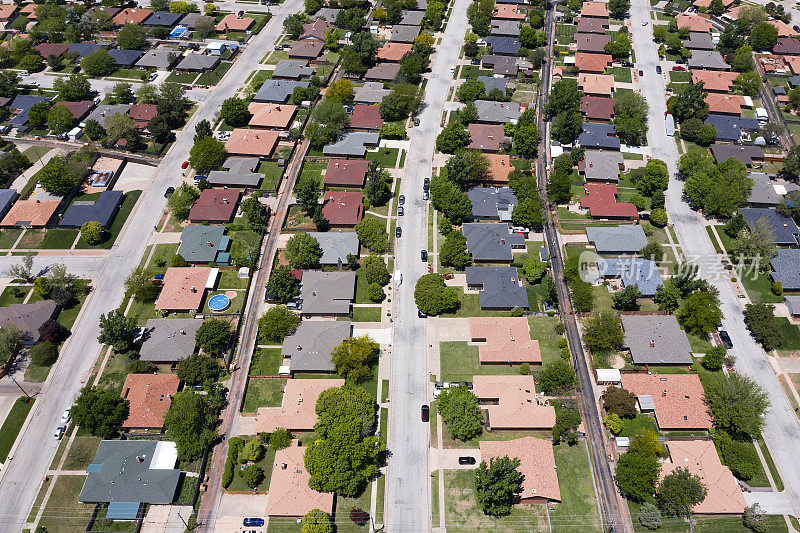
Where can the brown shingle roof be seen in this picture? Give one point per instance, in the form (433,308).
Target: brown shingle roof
(78,109)
(297,409)
(537,465)
(131,16)
(678,399)
(183,288)
(383,72)
(346,172)
(393,51)
(215,205)
(592,25)
(252,142)
(51,49)
(343,208)
(499,168)
(366,117)
(512,402)
(714,80)
(307,48)
(504,340)
(267,115)
(485,137)
(597,107)
(289,493)
(34,213)
(149,396)
(594,9)
(591,42)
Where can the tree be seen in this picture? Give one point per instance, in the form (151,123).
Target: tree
(620,402)
(213,336)
(679,491)
(378,187)
(197,369)
(567,126)
(123,92)
(98,63)
(293,24)
(526,134)
(282,286)
(92,232)
(716,8)
(37,115)
(185,423)
(375,270)
(718,189)
(742,60)
(756,244)
(626,299)
(119,126)
(461,413)
(202,129)
(43,353)
(559,188)
(355,357)
(603,332)
(404,100)
(763,36)
(528,213)
(182,200)
(714,358)
(498,486)
(372,234)
(94,130)
(160,129)
(534,269)
(637,474)
(433,297)
(280,438)
(327,121)
(303,251)
(452,138)
(564,96)
(337,403)
(74,88)
(753,518)
(734,227)
(277,324)
(235,112)
(454,251)
(556,376)
(649,515)
(655,178)
(117,331)
(630,116)
(619,47)
(471,90)
(52,331)
(689,102)
(737,402)
(341,90)
(618,8)
(466,167)
(748,83)
(375,292)
(99,411)
(59,119)
(132,37)
(699,313)
(582,295)
(31,63)
(207,154)
(763,325)
(253,451)
(653,251)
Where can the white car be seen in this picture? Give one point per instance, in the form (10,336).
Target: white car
(66,416)
(59,432)
(645,22)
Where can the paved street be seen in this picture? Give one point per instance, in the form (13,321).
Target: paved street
(407,490)
(782,431)
(20,479)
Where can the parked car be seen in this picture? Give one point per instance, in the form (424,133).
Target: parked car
(678,68)
(425,195)
(185,164)
(726,338)
(401,199)
(658,69)
(253,522)
(426,413)
(645,23)
(169,192)
(441,385)
(426,184)
(641,72)
(59,431)
(400,211)
(475,61)
(796,28)
(416,121)
(466,460)
(421,314)
(423,255)
(467,384)
(65,417)
(627,64)
(398,232)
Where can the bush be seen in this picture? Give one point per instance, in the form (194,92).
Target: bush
(650,516)
(375,292)
(525,369)
(280,438)
(714,359)
(658,217)
(557,375)
(137,366)
(178,261)
(43,353)
(777,288)
(52,331)
(739,456)
(559,328)
(252,476)
(234,445)
(620,402)
(614,423)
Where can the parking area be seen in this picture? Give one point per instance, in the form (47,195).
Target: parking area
(236,507)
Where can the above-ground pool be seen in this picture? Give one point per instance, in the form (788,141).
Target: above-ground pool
(220,302)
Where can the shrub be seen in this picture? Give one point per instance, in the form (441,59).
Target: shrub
(375,292)
(525,369)
(658,217)
(517,311)
(714,359)
(280,438)
(739,456)
(559,328)
(650,516)
(556,375)
(614,423)
(252,476)
(53,331)
(234,445)
(777,288)
(178,261)
(44,353)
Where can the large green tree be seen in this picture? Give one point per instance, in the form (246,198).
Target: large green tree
(99,411)
(277,324)
(213,336)
(235,112)
(197,369)
(117,331)
(737,402)
(700,313)
(303,251)
(348,401)
(433,297)
(603,332)
(454,251)
(207,154)
(460,412)
(498,485)
(679,492)
(186,423)
(355,357)
(282,286)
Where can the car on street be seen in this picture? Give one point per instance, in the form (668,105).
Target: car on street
(169,192)
(185,164)
(65,416)
(421,314)
(467,384)
(416,122)
(641,72)
(398,232)
(423,254)
(726,338)
(627,64)
(466,460)
(475,61)
(253,522)
(400,211)
(658,69)
(425,195)
(401,199)
(644,23)
(426,184)
(59,431)
(796,27)
(426,413)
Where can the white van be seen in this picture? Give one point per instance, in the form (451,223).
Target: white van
(398,277)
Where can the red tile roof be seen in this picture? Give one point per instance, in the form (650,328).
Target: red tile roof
(678,399)
(513,403)
(343,208)
(537,465)
(601,201)
(257,142)
(346,172)
(183,288)
(149,396)
(728,104)
(215,205)
(131,15)
(507,11)
(587,62)
(393,51)
(694,23)
(289,494)
(504,340)
(597,107)
(231,22)
(142,114)
(366,117)
(594,9)
(714,80)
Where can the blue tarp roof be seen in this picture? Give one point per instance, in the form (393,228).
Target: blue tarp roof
(123,510)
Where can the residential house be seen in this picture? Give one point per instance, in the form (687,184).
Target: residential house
(30,213)
(306,49)
(270,115)
(492,203)
(7,199)
(504,45)
(507,11)
(511,402)
(731,128)
(675,399)
(594,10)
(505,27)
(28,318)
(788,46)
(503,66)
(784,30)
(20,106)
(592,25)
(159,59)
(327,293)
(277,91)
(293,69)
(125,58)
(289,495)
(596,84)
(504,340)
(782,227)
(695,23)
(296,412)
(708,60)
(491,83)
(215,205)
(232,22)
(163,19)
(597,108)
(412,18)
(383,72)
(497,112)
(336,246)
(699,41)
(102,210)
(786,268)
(601,202)
(599,135)
(366,117)
(256,143)
(599,165)
(593,63)
(352,144)
(536,464)
(498,287)
(131,15)
(142,114)
(345,173)
(632,271)
(623,239)
(492,243)
(591,42)
(84,49)
(78,110)
(343,209)
(485,137)
(104,111)
(393,52)
(372,92)
(238,172)
(198,63)
(310,347)
(329,14)
(499,169)
(191,20)
(656,340)
(47,50)
(403,34)
(184,287)
(767,192)
(715,81)
(727,104)
(166,341)
(746,155)
(204,244)
(149,397)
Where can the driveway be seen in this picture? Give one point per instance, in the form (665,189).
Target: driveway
(448,459)
(166,518)
(234,508)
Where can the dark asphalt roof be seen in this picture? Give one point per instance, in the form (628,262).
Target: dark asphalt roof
(125,57)
(501,288)
(783,227)
(599,135)
(102,210)
(504,45)
(491,242)
(729,128)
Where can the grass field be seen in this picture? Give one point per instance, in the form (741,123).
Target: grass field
(266,362)
(459,362)
(620,74)
(81,452)
(577,490)
(265,392)
(36,152)
(58,239)
(63,513)
(386,157)
(265,463)
(184,78)
(12,425)
(272,175)
(213,77)
(790,335)
(366,314)
(733,524)
(14,295)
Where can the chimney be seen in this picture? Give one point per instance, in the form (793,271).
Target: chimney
(192,288)
(653,343)
(283,466)
(299,348)
(183,332)
(664,393)
(209,243)
(502,240)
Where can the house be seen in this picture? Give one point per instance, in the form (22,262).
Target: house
(724,495)
(536,464)
(792,302)
(592,25)
(504,45)
(238,172)
(346,173)
(329,14)
(596,84)
(499,287)
(730,128)
(601,202)
(784,30)
(203,244)
(130,15)
(293,69)
(22,104)
(232,22)
(383,72)
(728,104)
(491,83)
(594,10)
(412,18)
(492,242)
(767,192)
(102,210)
(372,92)
(51,49)
(257,143)
(656,340)
(142,114)
(343,209)
(504,340)
(492,203)
(507,11)
(28,318)
(316,30)
(694,22)
(103,111)
(597,108)
(403,34)
(84,49)
(336,246)
(327,293)
(191,20)
(215,205)
(163,19)
(699,41)
(503,66)
(296,412)
(787,45)
(599,135)
(149,397)
(505,27)
(7,11)
(78,110)
(786,268)
(7,199)
(278,91)
(30,213)
(485,137)
(160,59)
(708,60)
(128,473)
(125,58)
(289,494)
(511,402)
(499,169)
(270,115)
(310,347)
(596,63)
(744,154)
(198,63)
(677,399)
(599,165)
(307,49)
(632,271)
(366,117)
(105,171)
(497,112)
(168,340)
(782,227)
(393,51)
(184,287)
(591,42)
(623,239)
(352,144)
(715,81)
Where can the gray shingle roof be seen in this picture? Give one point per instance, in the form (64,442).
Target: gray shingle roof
(238,172)
(352,143)
(168,340)
(309,349)
(121,472)
(792,302)
(403,34)
(743,154)
(200,244)
(764,190)
(490,82)
(24,102)
(504,45)
(497,112)
(656,339)
(491,242)
(327,13)
(599,135)
(125,58)
(602,165)
(277,91)
(729,128)
(102,210)
(783,227)
(786,268)
(500,287)
(196,62)
(412,18)
(501,65)
(372,92)
(707,59)
(7,199)
(627,238)
(327,293)
(163,18)
(292,68)
(103,111)
(699,41)
(158,59)
(505,27)
(336,245)
(492,202)
(383,71)
(28,318)
(84,49)
(642,273)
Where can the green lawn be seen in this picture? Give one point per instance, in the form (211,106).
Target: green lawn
(621,74)
(58,239)
(8,237)
(272,175)
(229,279)
(343,508)
(759,287)
(366,314)
(184,78)
(266,392)
(12,425)
(130,73)
(213,77)
(473,71)
(680,77)
(632,425)
(790,335)
(162,253)
(82,452)
(265,463)
(470,306)
(68,314)
(386,157)
(14,295)
(543,330)
(266,362)
(733,524)
(459,362)
(671,524)
(714,240)
(36,152)
(63,513)
(128,202)
(577,490)
(312,170)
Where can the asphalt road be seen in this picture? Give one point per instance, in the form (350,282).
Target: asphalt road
(407,490)
(21,477)
(781,431)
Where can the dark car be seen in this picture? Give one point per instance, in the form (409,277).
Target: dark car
(426,184)
(421,314)
(401,199)
(169,192)
(253,522)
(466,460)
(416,122)
(641,72)
(726,338)
(475,61)
(658,69)
(423,254)
(796,27)
(398,231)
(467,384)
(400,211)
(627,64)
(426,413)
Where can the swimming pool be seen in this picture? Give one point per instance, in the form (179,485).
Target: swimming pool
(219,302)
